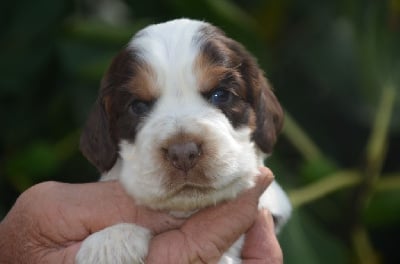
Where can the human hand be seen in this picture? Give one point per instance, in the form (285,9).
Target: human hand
(50,220)
(205,236)
(261,244)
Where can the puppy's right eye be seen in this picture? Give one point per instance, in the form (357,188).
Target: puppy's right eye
(139,107)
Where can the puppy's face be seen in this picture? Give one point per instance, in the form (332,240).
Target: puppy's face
(182,116)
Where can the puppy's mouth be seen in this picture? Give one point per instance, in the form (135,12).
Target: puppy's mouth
(194,189)
(187,184)
(189,197)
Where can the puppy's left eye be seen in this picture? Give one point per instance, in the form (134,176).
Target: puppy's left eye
(139,107)
(220,96)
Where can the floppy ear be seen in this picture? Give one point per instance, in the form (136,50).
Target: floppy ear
(269,114)
(96,142)
(268,111)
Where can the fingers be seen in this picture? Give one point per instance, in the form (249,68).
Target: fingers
(209,233)
(263,180)
(65,214)
(246,201)
(54,215)
(216,228)
(82,209)
(261,244)
(65,256)
(103,204)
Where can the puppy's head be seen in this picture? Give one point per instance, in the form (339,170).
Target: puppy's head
(182,115)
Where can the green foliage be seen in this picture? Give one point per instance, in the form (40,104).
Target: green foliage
(307,241)
(335,67)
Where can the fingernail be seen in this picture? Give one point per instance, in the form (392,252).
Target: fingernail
(266,174)
(266,171)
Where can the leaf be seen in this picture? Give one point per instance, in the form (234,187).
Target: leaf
(32,163)
(383,209)
(303,240)
(313,170)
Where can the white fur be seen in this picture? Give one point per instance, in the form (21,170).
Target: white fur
(170,57)
(118,244)
(179,109)
(231,167)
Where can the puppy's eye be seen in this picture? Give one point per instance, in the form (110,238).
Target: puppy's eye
(220,96)
(140,107)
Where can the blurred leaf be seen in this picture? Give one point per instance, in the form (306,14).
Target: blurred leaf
(271,17)
(100,32)
(229,11)
(304,241)
(39,160)
(312,170)
(383,209)
(301,140)
(33,25)
(29,165)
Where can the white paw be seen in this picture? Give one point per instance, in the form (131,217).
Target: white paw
(118,244)
(232,256)
(276,201)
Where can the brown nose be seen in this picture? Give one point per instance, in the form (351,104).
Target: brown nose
(183,156)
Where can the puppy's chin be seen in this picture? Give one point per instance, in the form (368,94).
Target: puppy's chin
(189,198)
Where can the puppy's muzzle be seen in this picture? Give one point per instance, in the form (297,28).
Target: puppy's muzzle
(183,155)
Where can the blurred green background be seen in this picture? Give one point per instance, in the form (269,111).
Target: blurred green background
(335,66)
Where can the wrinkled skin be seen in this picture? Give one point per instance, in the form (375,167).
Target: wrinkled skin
(50,220)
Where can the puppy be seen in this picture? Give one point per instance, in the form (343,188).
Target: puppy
(183,120)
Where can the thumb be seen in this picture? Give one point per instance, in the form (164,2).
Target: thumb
(261,244)
(95,206)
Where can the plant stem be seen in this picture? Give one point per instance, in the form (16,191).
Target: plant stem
(323,187)
(363,248)
(338,181)
(388,182)
(300,140)
(377,144)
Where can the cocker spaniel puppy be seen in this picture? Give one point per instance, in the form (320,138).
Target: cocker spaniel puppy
(183,120)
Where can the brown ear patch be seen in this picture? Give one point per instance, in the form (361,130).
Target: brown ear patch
(269,116)
(96,142)
(259,108)
(110,120)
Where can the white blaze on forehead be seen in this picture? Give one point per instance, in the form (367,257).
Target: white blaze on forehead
(170,49)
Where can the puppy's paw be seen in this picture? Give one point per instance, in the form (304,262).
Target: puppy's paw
(119,244)
(277,202)
(232,256)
